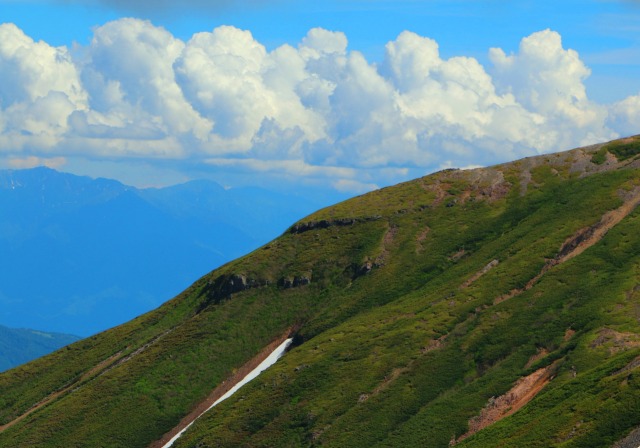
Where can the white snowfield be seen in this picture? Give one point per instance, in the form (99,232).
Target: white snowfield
(268,362)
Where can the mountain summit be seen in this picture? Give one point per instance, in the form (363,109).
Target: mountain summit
(479,308)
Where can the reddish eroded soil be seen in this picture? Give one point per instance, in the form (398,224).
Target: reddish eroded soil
(221,389)
(498,408)
(582,240)
(568,334)
(588,236)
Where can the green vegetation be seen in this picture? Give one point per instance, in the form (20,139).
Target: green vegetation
(600,156)
(399,341)
(623,150)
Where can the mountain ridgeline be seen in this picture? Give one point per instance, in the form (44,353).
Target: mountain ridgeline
(494,307)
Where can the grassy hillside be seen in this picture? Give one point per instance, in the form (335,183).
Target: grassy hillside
(489,307)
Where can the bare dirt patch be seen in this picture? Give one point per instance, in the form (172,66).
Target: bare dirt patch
(498,408)
(582,240)
(568,334)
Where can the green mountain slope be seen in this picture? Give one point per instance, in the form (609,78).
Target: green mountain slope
(489,307)
(18,346)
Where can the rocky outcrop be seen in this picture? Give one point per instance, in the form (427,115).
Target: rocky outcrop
(294,282)
(631,441)
(224,286)
(302,227)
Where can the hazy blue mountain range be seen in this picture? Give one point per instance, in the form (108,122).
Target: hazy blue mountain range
(79,255)
(18,346)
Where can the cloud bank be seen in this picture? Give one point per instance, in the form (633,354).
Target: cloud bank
(155,8)
(221,100)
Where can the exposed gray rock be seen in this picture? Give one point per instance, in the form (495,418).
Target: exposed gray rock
(302,227)
(224,286)
(631,441)
(289,282)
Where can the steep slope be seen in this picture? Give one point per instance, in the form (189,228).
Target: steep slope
(19,345)
(93,244)
(489,307)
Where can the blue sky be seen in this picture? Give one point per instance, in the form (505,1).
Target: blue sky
(343,95)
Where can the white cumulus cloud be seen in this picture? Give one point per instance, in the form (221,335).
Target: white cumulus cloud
(39,88)
(222,100)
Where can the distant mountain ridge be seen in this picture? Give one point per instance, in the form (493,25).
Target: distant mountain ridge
(18,345)
(80,255)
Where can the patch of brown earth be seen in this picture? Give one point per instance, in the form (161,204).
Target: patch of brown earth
(587,237)
(498,408)
(581,241)
(222,389)
(492,264)
(568,334)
